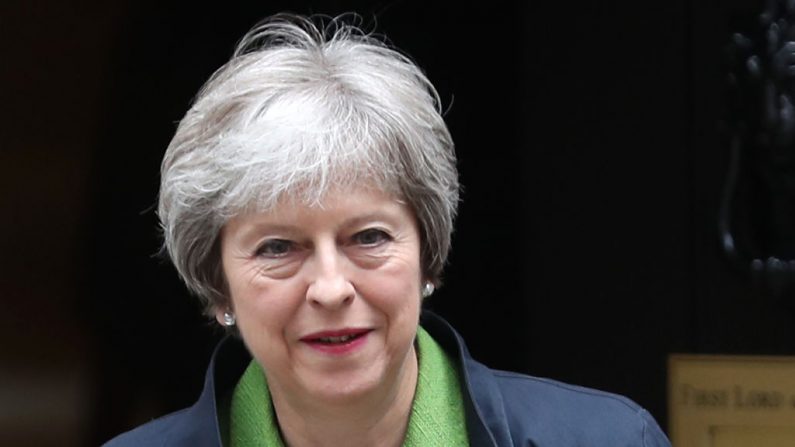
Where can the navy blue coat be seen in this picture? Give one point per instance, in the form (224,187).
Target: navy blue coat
(502,408)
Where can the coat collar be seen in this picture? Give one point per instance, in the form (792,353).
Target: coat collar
(485,412)
(201,424)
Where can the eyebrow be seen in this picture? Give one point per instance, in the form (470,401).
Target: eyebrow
(254,229)
(376,215)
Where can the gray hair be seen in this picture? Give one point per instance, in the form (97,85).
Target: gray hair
(298,110)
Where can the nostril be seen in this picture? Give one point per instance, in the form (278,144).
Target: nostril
(330,292)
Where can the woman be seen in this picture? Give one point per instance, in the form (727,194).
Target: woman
(308,198)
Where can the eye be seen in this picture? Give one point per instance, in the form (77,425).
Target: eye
(274,248)
(371,237)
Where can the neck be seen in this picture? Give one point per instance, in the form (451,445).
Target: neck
(379,418)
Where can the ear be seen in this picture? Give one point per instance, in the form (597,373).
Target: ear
(219,316)
(428,288)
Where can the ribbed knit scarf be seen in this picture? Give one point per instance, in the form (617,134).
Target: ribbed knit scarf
(437,413)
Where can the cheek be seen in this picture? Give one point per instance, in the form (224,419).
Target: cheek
(394,288)
(263,305)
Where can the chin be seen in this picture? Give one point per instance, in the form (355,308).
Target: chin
(344,388)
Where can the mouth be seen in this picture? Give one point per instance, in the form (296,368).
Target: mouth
(335,338)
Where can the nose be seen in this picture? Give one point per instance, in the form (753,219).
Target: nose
(329,286)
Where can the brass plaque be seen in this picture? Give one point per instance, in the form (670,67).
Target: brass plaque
(731,401)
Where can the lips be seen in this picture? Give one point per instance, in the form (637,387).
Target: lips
(337,342)
(335,337)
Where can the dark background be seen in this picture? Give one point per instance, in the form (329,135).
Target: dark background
(590,150)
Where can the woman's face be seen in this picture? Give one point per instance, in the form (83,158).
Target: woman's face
(327,298)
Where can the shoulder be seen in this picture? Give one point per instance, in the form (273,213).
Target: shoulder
(197,425)
(507,408)
(556,413)
(155,433)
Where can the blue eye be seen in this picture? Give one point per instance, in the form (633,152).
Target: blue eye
(371,237)
(274,248)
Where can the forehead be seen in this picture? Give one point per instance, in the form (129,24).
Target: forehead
(340,189)
(336,208)
(347,200)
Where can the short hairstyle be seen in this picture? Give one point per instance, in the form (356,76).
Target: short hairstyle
(303,106)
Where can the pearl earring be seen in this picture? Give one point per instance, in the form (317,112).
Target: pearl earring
(229,319)
(427,289)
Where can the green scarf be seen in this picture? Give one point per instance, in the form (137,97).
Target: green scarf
(437,413)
